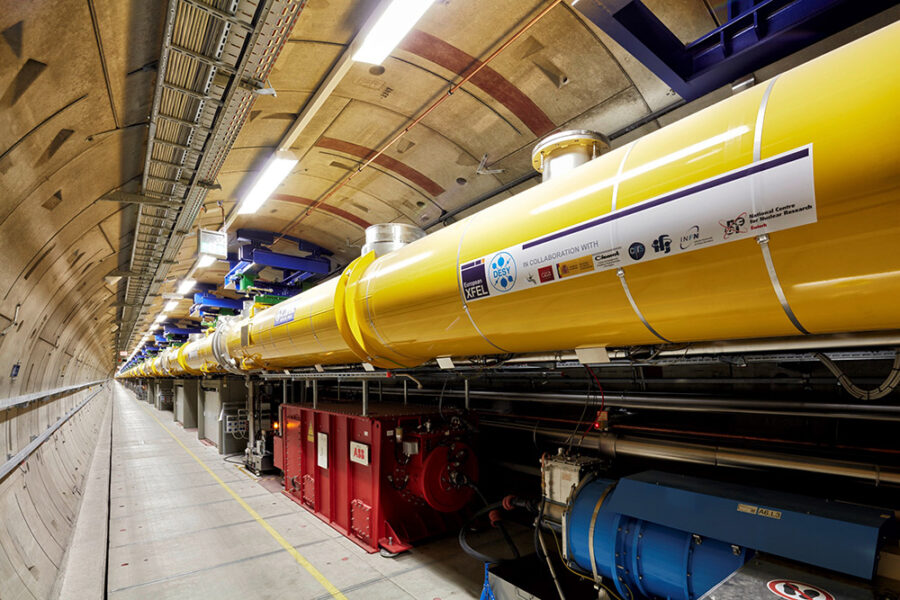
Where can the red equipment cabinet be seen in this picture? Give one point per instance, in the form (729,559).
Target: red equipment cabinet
(385,480)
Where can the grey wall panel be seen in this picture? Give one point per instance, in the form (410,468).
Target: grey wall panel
(211,409)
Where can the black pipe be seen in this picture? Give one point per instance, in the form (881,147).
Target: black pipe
(684,403)
(613,445)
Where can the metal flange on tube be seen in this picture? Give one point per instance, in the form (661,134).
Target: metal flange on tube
(219,344)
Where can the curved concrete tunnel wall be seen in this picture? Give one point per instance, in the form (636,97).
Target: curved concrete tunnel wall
(75,90)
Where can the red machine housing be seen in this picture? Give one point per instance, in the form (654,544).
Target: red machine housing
(385,480)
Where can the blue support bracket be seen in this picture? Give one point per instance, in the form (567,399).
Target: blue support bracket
(758,33)
(205,287)
(208,300)
(267,258)
(274,289)
(267,238)
(172,330)
(239,268)
(296,277)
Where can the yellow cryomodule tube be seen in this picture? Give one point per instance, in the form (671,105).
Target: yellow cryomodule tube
(196,357)
(637,246)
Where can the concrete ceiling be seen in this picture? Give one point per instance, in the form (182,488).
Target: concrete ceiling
(563,72)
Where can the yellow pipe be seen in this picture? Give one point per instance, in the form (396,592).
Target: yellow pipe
(817,146)
(838,274)
(196,357)
(300,331)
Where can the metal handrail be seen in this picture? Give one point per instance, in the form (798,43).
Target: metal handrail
(8,403)
(18,458)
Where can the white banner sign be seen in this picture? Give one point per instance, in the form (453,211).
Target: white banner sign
(771,195)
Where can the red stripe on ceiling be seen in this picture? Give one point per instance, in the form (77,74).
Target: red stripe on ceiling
(338,212)
(450,57)
(392,164)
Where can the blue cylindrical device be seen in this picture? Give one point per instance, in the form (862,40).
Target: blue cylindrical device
(643,559)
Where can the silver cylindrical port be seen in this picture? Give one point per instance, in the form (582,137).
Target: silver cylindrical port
(561,152)
(387,237)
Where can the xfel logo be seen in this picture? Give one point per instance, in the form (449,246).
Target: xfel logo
(734,226)
(689,237)
(662,244)
(502,272)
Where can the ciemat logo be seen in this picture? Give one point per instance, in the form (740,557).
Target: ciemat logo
(636,251)
(502,272)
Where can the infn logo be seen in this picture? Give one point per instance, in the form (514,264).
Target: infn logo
(690,237)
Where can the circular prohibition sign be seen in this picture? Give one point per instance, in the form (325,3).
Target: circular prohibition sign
(797,590)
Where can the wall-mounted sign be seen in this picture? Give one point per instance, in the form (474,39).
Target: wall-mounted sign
(359,453)
(322,450)
(213,243)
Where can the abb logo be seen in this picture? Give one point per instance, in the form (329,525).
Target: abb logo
(359,453)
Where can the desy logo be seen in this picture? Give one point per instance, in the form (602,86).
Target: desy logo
(502,271)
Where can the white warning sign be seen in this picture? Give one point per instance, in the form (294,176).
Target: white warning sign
(322,450)
(770,195)
(797,590)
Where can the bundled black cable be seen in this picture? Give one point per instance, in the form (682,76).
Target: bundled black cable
(468,549)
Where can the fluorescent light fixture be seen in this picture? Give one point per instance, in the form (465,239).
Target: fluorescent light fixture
(171,305)
(278,167)
(185,286)
(160,318)
(206,260)
(391,27)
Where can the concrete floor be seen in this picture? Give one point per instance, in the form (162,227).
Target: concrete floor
(186,524)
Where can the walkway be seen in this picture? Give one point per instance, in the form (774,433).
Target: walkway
(184,524)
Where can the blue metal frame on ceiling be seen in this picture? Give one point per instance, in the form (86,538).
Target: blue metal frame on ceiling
(287,262)
(758,33)
(267,238)
(207,301)
(173,330)
(253,257)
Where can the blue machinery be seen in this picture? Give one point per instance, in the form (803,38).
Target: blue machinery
(757,33)
(252,257)
(658,535)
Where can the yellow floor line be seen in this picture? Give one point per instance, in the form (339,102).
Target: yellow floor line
(334,591)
